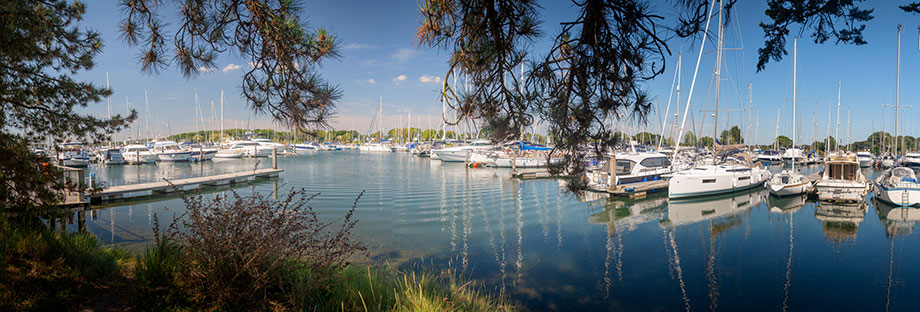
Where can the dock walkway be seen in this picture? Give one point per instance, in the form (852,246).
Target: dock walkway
(146,189)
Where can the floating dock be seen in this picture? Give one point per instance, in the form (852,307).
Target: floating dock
(638,189)
(534,174)
(150,188)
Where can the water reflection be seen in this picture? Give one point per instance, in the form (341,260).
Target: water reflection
(840,222)
(553,251)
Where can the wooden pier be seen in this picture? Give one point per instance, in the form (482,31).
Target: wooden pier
(534,174)
(161,187)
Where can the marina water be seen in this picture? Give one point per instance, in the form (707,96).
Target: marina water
(550,250)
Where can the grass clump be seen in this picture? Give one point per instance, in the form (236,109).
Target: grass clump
(44,270)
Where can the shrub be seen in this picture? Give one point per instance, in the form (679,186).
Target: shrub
(237,252)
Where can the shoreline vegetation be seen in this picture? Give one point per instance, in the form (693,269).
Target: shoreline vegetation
(282,258)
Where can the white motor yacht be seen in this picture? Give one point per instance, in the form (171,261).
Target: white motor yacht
(771,157)
(793,154)
(239,149)
(842,180)
(865,159)
(374,147)
(898,186)
(281,148)
(111,156)
(459,153)
(911,160)
(73,155)
(170,151)
(136,154)
(199,153)
(719,178)
(630,168)
(307,147)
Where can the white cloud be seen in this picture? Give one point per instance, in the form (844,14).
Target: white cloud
(400,78)
(372,81)
(205,69)
(355,46)
(432,79)
(403,55)
(230,67)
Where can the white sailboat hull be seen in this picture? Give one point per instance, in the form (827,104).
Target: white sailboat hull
(710,180)
(174,156)
(900,196)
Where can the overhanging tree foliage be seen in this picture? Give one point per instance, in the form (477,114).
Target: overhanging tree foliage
(593,75)
(41,47)
(283,51)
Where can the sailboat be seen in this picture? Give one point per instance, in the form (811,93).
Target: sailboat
(729,176)
(790,182)
(898,185)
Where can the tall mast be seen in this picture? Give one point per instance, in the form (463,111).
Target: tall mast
(750,108)
(693,82)
(897,98)
(221,136)
(837,129)
(776,134)
(147,110)
(715,114)
(795,67)
(109,107)
(197,119)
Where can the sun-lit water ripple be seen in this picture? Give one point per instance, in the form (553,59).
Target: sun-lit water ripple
(553,251)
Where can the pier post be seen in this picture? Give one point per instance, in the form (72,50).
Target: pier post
(274,157)
(612,172)
(513,161)
(466,162)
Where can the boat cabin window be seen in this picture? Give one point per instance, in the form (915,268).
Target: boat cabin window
(656,162)
(624,166)
(709,180)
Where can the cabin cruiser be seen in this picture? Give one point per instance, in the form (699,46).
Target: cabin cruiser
(630,168)
(730,176)
(842,180)
(793,154)
(199,153)
(73,155)
(459,153)
(280,148)
(111,156)
(374,147)
(865,159)
(170,151)
(887,161)
(771,157)
(307,147)
(898,186)
(136,154)
(239,149)
(911,160)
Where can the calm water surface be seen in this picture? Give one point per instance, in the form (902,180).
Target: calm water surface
(552,251)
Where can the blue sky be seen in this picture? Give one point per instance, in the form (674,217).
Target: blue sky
(380,59)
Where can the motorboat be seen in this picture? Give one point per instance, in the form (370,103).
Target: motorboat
(898,186)
(136,154)
(374,147)
(841,179)
(865,159)
(245,148)
(170,151)
(911,160)
(111,156)
(630,168)
(460,153)
(73,155)
(199,153)
(280,148)
(887,161)
(771,157)
(307,147)
(730,176)
(793,155)
(523,160)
